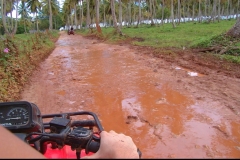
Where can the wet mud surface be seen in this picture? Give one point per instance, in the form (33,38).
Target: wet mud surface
(169,111)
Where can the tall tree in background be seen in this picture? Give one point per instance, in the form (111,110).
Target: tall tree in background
(199,12)
(3,11)
(67,12)
(179,12)
(151,11)
(7,7)
(172,14)
(97,16)
(114,18)
(88,15)
(50,7)
(120,13)
(23,12)
(34,6)
(50,15)
(73,4)
(139,12)
(16,20)
(163,7)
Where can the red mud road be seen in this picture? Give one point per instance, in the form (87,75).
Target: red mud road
(167,112)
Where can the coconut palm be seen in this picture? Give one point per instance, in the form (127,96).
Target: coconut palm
(23,12)
(67,12)
(97,16)
(53,10)
(35,6)
(6,8)
(4,13)
(114,18)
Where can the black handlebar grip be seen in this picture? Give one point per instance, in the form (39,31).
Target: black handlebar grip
(93,146)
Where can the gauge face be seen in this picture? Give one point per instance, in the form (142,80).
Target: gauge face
(17,116)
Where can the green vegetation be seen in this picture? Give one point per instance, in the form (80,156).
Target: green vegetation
(19,57)
(187,35)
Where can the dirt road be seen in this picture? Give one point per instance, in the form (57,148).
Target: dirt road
(169,111)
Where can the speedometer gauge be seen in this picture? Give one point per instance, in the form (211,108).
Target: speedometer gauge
(21,116)
(17,116)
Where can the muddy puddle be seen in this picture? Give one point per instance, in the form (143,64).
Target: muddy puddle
(82,74)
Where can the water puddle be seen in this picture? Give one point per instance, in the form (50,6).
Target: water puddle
(189,72)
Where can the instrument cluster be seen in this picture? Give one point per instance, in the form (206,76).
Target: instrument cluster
(14,115)
(21,116)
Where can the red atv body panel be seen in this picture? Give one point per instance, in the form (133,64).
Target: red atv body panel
(64,153)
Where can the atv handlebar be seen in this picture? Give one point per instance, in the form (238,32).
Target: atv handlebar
(61,130)
(78,134)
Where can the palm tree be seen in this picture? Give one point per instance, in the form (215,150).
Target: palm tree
(3,11)
(120,13)
(172,14)
(106,10)
(97,16)
(34,6)
(53,10)
(163,7)
(23,11)
(67,12)
(73,4)
(139,12)
(88,15)
(8,7)
(16,20)
(114,18)
(50,15)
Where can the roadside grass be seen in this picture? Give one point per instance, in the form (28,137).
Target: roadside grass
(186,35)
(25,53)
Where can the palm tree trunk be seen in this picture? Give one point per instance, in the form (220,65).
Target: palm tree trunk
(139,12)
(97,17)
(75,15)
(129,13)
(219,9)
(214,11)
(199,12)
(183,13)
(82,15)
(104,14)
(179,12)
(151,12)
(205,8)
(3,10)
(37,21)
(114,18)
(50,15)
(163,7)
(16,20)
(172,14)
(193,11)
(24,21)
(120,12)
(88,15)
